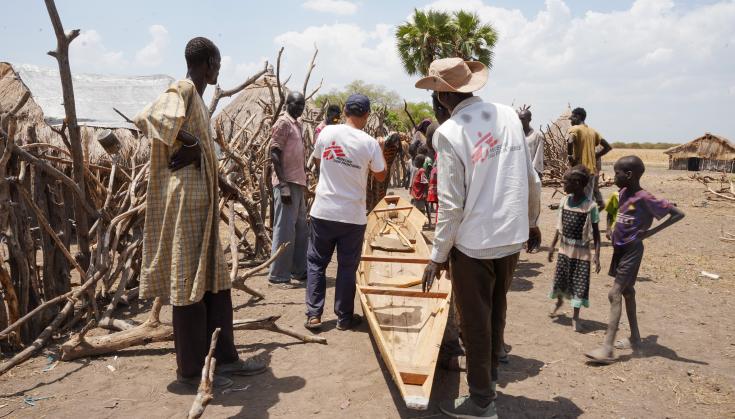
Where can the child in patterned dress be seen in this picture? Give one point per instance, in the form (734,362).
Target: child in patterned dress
(577,227)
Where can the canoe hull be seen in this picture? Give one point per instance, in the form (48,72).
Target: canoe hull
(406,323)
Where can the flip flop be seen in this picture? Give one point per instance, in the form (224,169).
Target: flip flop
(313,323)
(599,356)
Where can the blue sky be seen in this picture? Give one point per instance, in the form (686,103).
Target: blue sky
(645,70)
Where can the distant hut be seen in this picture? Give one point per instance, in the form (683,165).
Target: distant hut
(95,96)
(708,152)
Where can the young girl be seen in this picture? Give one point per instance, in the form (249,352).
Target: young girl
(431,174)
(578,225)
(432,198)
(419,185)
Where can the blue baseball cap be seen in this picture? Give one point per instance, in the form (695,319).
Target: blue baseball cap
(357,104)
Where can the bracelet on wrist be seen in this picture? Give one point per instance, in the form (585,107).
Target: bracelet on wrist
(192,145)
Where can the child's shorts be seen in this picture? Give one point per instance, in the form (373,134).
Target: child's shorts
(625,263)
(419,203)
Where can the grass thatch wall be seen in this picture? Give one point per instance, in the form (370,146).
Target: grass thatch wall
(12,90)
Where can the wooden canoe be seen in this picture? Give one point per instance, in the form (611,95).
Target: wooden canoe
(406,323)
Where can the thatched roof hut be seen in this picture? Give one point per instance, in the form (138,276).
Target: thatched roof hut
(708,152)
(248,107)
(255,102)
(95,96)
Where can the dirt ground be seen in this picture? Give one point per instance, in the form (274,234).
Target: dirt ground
(686,370)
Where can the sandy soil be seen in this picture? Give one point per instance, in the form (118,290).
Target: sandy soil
(653,158)
(687,368)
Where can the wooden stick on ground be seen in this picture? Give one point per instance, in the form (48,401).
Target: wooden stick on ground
(152,330)
(269,323)
(239,283)
(204,393)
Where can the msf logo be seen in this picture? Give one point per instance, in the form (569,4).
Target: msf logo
(333,151)
(483,147)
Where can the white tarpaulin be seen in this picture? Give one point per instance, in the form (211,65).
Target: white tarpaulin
(95,95)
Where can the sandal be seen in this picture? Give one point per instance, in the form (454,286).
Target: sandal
(351,323)
(313,323)
(600,356)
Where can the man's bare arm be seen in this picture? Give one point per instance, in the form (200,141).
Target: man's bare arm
(605,148)
(276,159)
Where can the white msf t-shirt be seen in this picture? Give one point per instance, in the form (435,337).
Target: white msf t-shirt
(346,154)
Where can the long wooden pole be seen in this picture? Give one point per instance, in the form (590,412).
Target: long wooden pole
(61,53)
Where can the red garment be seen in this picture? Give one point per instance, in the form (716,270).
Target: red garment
(419,185)
(432,194)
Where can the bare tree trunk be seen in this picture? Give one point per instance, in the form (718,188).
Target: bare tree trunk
(75,136)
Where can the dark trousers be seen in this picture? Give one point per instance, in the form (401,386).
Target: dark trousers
(193,327)
(324,237)
(479,287)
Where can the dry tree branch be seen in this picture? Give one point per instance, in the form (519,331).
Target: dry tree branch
(321,82)
(204,393)
(75,135)
(152,330)
(240,282)
(410,117)
(219,93)
(70,183)
(309,69)
(281,95)
(269,323)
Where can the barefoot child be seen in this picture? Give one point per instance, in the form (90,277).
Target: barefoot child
(578,226)
(635,215)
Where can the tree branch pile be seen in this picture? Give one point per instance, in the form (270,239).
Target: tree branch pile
(90,257)
(555,154)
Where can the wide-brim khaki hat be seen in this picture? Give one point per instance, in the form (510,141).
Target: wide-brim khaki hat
(454,75)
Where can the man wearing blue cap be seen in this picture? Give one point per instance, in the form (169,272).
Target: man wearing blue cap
(343,154)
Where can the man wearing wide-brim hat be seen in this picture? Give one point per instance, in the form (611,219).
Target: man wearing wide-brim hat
(488,208)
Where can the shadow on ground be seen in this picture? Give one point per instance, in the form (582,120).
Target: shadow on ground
(256,400)
(81,364)
(650,348)
(522,407)
(524,271)
(588,326)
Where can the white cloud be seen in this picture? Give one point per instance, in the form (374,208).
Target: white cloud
(232,74)
(151,55)
(652,62)
(347,52)
(89,52)
(340,7)
(657,56)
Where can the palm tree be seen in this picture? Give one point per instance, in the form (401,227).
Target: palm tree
(422,41)
(473,40)
(433,34)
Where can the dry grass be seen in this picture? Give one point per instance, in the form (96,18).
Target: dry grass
(649,157)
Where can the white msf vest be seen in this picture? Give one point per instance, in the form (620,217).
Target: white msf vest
(489,140)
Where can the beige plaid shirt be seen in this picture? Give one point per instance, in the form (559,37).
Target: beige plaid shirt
(182,256)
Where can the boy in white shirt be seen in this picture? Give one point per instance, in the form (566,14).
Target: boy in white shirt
(344,154)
